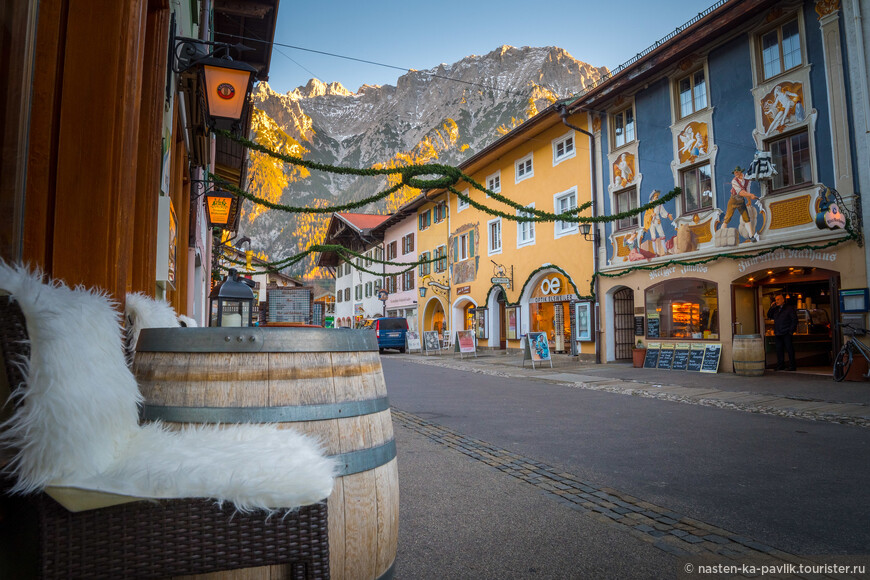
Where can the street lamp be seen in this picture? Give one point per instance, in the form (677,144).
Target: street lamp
(232,302)
(584,229)
(422,291)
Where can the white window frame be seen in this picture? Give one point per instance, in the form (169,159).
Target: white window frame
(522,240)
(621,112)
(461,204)
(491,177)
(526,165)
(462,247)
(678,107)
(557,159)
(491,250)
(560,228)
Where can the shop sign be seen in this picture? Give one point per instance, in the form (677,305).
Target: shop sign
(500,280)
(549,290)
(787,254)
(685,269)
(463,290)
(560,298)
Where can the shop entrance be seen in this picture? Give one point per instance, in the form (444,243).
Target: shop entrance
(812,292)
(623,323)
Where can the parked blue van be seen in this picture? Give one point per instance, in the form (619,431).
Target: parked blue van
(390,332)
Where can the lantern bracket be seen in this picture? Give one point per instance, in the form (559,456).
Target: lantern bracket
(190,52)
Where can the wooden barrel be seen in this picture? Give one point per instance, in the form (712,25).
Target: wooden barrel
(323,382)
(747,354)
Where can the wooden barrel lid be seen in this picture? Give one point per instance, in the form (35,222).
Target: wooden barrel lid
(255,339)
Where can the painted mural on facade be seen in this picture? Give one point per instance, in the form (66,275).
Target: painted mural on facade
(693,142)
(623,170)
(782,106)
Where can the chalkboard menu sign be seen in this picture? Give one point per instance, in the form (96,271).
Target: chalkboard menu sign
(638,325)
(681,357)
(696,357)
(652,355)
(666,358)
(712,352)
(652,327)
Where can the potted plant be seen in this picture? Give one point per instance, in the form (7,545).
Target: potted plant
(638,353)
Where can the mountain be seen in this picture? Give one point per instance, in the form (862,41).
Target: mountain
(444,115)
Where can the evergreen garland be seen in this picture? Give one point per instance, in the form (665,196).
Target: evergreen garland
(450,177)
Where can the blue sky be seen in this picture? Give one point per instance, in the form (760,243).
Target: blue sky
(422,35)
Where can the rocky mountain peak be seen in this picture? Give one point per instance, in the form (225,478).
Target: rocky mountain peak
(444,114)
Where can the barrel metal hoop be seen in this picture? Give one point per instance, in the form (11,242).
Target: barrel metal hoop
(280,414)
(366,459)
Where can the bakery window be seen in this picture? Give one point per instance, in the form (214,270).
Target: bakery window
(686,308)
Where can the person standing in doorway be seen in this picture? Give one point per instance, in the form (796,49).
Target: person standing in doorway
(785,323)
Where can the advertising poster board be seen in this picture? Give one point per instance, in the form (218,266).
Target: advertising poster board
(431,341)
(696,357)
(583,321)
(681,357)
(412,340)
(510,314)
(651,360)
(712,353)
(464,343)
(536,348)
(666,356)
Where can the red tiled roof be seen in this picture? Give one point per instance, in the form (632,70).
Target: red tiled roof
(363,221)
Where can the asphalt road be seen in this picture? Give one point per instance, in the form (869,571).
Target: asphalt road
(797,485)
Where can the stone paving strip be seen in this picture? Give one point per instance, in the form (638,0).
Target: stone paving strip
(667,530)
(790,407)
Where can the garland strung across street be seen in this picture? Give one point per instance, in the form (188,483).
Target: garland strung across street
(345,253)
(409,173)
(450,176)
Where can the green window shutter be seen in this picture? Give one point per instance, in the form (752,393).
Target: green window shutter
(471,243)
(456,249)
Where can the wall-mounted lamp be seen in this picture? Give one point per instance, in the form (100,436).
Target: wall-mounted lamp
(422,292)
(585,229)
(227,82)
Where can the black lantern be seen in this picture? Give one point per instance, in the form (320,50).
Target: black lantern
(231,303)
(227,83)
(422,291)
(585,229)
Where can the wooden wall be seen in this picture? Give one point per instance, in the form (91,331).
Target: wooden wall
(94,159)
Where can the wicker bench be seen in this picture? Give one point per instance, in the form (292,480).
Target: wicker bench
(145,539)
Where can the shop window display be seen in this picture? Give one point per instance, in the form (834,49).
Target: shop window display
(686,309)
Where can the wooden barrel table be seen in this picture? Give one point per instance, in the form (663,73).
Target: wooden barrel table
(747,354)
(327,383)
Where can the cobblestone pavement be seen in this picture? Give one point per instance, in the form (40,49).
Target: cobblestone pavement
(857,414)
(666,530)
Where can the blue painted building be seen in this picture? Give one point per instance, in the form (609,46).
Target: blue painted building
(746,110)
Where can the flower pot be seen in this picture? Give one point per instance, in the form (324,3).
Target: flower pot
(637,356)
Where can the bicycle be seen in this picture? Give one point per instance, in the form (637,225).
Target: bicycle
(843,361)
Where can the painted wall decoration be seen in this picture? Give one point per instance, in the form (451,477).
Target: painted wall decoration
(782,106)
(465,254)
(744,215)
(652,225)
(693,142)
(623,170)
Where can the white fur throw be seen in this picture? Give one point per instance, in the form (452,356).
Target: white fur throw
(145,312)
(76,419)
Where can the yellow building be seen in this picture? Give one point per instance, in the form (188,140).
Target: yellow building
(503,278)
